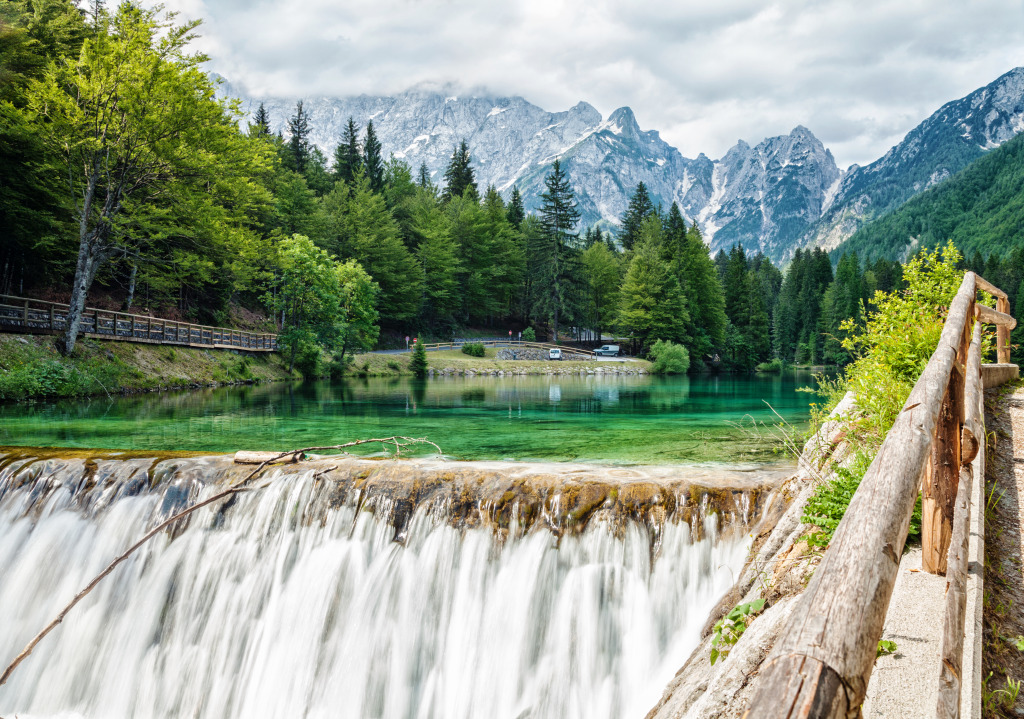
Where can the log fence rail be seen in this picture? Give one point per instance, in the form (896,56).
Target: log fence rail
(28,316)
(821,664)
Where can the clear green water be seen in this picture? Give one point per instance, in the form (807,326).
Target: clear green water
(599,419)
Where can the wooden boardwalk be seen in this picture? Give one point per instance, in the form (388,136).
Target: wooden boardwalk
(27,316)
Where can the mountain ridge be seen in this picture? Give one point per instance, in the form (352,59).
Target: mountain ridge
(780,194)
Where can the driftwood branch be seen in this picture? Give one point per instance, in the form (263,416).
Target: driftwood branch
(240,486)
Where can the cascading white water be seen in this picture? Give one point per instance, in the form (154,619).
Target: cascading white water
(254,612)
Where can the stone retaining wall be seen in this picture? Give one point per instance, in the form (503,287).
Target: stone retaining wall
(535,355)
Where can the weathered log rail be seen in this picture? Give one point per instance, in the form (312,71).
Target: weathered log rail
(823,660)
(28,316)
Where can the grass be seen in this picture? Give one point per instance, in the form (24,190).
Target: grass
(378,365)
(31,368)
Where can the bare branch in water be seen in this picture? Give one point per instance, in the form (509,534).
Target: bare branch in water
(240,486)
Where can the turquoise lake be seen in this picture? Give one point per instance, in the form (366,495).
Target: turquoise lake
(645,420)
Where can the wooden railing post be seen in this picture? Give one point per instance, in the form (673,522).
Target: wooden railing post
(938,490)
(1003,333)
(52,326)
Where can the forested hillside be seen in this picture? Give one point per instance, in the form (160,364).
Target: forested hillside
(981,209)
(122,175)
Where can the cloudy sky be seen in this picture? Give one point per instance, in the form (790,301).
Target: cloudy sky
(859,74)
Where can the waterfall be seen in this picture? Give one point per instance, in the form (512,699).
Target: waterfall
(283,604)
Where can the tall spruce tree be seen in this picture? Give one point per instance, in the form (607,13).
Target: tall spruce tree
(651,303)
(423,177)
(372,161)
(459,176)
(260,125)
(298,141)
(516,211)
(556,262)
(348,155)
(640,208)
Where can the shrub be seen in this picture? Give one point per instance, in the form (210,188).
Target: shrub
(394,366)
(529,335)
(669,358)
(826,507)
(775,366)
(473,349)
(418,363)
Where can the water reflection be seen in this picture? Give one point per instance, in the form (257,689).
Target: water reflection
(626,419)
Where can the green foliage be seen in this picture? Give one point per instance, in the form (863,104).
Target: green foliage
(979,208)
(326,304)
(827,506)
(529,335)
(730,628)
(473,349)
(669,358)
(885,647)
(894,344)
(774,367)
(651,305)
(554,253)
(640,209)
(418,363)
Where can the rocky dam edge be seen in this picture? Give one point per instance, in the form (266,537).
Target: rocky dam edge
(510,498)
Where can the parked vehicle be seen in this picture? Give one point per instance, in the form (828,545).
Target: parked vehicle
(554,354)
(607,351)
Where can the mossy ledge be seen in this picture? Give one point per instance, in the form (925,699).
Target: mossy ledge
(510,498)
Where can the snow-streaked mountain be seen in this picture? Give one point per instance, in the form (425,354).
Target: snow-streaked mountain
(950,139)
(783,193)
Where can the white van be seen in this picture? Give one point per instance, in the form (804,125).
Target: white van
(607,351)
(554,354)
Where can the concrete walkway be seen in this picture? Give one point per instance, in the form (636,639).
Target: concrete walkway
(906,683)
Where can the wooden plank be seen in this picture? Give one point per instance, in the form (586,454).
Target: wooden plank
(994,317)
(1003,333)
(938,491)
(951,666)
(985,286)
(838,620)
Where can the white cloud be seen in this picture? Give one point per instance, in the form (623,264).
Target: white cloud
(858,74)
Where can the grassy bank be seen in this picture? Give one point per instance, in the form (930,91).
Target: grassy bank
(31,367)
(455,362)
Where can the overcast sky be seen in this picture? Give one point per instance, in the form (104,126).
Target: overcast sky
(859,74)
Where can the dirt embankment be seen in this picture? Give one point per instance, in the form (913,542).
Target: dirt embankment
(31,368)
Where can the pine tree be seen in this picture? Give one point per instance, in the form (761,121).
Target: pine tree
(640,208)
(372,162)
(459,176)
(348,155)
(651,304)
(298,142)
(556,259)
(424,177)
(516,211)
(418,364)
(702,288)
(260,125)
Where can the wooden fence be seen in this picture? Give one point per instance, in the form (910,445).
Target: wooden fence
(18,314)
(822,662)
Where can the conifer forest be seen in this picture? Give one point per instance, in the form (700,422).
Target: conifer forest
(124,176)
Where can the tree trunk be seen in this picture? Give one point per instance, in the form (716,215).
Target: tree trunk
(84,273)
(131,286)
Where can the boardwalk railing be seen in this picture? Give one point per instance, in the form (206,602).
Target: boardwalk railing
(18,314)
(457,344)
(821,664)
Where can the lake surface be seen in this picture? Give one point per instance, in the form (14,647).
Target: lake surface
(642,420)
